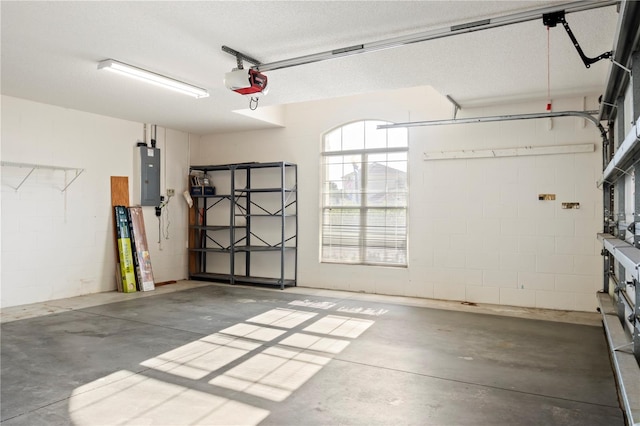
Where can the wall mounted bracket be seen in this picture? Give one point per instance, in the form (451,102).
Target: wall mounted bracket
(554,18)
(456,106)
(240,57)
(33,168)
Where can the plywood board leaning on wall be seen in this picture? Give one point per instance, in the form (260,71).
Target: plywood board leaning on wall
(141,250)
(119,197)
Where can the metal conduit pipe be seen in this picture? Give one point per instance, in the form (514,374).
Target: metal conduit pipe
(587,115)
(511,117)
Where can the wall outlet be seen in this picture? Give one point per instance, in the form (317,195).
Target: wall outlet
(171,192)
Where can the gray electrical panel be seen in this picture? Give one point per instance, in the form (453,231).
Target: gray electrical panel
(149,176)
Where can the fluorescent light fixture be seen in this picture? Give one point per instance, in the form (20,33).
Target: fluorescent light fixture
(153,78)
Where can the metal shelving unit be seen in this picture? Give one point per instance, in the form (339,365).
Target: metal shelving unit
(256,225)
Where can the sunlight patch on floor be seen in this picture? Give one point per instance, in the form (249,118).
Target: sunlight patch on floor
(254,332)
(197,359)
(315,343)
(316,304)
(273,374)
(285,318)
(362,310)
(133,399)
(334,325)
(270,356)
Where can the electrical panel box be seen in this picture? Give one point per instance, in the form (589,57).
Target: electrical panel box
(149,175)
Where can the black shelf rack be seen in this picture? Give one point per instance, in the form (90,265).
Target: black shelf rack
(253,222)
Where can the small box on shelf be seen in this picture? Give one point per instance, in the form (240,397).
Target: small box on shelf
(203,190)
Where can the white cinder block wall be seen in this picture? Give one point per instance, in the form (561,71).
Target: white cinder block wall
(57,245)
(478,232)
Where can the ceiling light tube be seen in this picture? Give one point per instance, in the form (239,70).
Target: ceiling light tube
(152,78)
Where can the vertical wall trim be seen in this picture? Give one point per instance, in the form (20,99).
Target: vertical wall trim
(635,85)
(636,330)
(636,205)
(606,193)
(635,102)
(620,198)
(620,126)
(622,276)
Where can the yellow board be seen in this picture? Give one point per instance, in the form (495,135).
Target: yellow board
(125,253)
(127,269)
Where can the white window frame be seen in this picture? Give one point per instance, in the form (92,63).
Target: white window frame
(365,240)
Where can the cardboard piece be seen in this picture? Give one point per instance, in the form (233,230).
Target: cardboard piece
(142,257)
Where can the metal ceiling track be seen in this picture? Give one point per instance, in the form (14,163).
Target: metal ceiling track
(484,24)
(587,115)
(240,57)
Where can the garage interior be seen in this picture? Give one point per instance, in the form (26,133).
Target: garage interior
(451,237)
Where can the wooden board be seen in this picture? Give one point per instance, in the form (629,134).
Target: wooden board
(119,191)
(119,197)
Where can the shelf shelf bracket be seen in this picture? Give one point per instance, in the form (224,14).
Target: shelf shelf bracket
(34,167)
(25,178)
(77,175)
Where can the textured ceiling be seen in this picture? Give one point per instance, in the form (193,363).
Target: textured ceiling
(50,52)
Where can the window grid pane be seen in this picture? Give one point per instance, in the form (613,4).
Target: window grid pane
(341,235)
(364,196)
(353,136)
(386,240)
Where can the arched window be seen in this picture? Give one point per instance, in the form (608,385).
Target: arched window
(365,195)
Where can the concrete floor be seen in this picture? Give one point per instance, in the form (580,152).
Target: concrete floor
(215,354)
